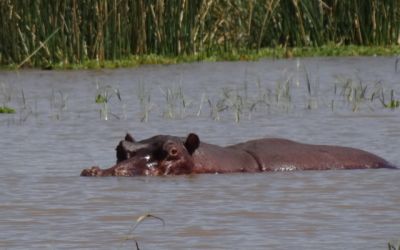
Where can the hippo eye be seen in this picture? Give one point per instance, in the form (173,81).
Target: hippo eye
(173,151)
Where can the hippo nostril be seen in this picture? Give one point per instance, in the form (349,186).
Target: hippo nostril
(86,172)
(93,171)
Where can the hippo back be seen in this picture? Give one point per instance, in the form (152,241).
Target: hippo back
(275,154)
(209,158)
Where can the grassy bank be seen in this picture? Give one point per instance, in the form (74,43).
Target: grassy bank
(93,33)
(243,55)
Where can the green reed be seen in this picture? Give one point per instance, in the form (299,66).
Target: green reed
(104,94)
(6,93)
(176,102)
(58,103)
(393,103)
(25,111)
(6,110)
(356,93)
(63,32)
(144,96)
(312,91)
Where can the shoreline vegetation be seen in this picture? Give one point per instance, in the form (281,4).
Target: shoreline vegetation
(90,34)
(249,55)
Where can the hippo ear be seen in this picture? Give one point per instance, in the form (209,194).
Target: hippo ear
(129,137)
(192,142)
(121,155)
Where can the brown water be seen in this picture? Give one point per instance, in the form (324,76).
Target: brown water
(57,131)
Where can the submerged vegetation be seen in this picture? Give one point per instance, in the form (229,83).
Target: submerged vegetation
(109,33)
(294,91)
(5,93)
(394,246)
(104,94)
(6,110)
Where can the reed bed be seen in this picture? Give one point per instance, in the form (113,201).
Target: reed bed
(72,32)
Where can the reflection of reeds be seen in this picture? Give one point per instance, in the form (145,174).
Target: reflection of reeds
(62,31)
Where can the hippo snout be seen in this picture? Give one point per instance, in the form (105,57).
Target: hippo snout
(93,171)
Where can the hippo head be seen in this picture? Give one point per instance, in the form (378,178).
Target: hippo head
(158,155)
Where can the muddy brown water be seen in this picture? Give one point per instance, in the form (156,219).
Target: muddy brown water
(57,131)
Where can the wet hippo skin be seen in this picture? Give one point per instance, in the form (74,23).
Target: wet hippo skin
(172,155)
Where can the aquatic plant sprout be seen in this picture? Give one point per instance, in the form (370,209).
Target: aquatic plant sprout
(254,97)
(104,93)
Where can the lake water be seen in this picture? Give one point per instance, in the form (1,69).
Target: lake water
(58,130)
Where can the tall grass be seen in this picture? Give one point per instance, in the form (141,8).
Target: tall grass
(71,31)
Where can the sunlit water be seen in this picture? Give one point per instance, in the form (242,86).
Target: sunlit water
(58,130)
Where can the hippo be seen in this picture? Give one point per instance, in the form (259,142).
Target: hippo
(172,155)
